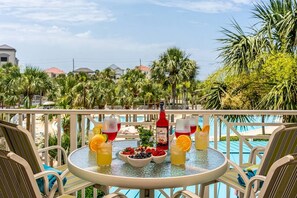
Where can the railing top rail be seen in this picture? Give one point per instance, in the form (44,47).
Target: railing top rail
(146,111)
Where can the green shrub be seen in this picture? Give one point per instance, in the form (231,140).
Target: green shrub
(232,138)
(89,193)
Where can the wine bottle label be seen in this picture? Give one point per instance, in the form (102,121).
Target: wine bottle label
(162,135)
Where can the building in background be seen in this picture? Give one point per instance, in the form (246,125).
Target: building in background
(54,72)
(7,55)
(144,69)
(84,70)
(118,71)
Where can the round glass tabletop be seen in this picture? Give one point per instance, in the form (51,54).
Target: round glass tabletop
(200,167)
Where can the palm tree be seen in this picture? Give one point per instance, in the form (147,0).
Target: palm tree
(151,93)
(33,82)
(9,84)
(251,53)
(172,68)
(243,52)
(80,90)
(64,94)
(282,96)
(278,21)
(131,83)
(240,50)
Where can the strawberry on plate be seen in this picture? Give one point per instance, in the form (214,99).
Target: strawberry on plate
(155,152)
(128,151)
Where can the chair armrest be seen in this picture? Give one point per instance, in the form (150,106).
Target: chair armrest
(55,147)
(249,192)
(58,180)
(185,193)
(239,171)
(254,152)
(64,173)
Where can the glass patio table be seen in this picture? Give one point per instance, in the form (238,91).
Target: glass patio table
(201,167)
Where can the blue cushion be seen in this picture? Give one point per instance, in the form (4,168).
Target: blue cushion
(250,172)
(51,178)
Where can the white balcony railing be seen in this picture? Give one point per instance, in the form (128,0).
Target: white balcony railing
(42,124)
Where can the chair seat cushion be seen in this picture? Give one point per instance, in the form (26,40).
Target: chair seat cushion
(51,178)
(250,172)
(230,178)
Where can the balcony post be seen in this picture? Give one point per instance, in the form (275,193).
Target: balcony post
(73,134)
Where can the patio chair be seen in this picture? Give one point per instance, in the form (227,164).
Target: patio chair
(280,181)
(18,179)
(20,142)
(282,142)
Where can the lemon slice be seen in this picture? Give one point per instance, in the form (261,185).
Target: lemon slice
(184,142)
(97,129)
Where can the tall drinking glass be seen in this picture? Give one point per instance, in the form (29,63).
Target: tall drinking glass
(110,128)
(104,154)
(182,127)
(177,156)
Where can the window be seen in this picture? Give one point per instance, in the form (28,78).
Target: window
(3,59)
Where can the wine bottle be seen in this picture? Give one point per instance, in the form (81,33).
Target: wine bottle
(162,132)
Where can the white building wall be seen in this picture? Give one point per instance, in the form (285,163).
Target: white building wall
(10,55)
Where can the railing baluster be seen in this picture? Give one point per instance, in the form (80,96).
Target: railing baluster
(83,130)
(7,117)
(46,137)
(73,133)
(33,127)
(215,127)
(228,142)
(59,137)
(20,119)
(240,151)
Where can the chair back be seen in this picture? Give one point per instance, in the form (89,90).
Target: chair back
(282,142)
(17,177)
(281,180)
(20,141)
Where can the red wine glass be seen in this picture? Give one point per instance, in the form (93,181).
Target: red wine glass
(182,127)
(110,128)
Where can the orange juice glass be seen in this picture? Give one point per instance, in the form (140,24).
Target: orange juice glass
(177,156)
(201,140)
(104,154)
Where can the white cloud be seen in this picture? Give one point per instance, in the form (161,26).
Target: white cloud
(45,46)
(243,1)
(55,10)
(206,6)
(84,34)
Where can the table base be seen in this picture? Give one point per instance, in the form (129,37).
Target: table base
(147,193)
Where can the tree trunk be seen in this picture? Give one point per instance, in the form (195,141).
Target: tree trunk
(28,121)
(173,96)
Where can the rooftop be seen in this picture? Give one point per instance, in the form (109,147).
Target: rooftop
(54,70)
(84,70)
(143,68)
(6,47)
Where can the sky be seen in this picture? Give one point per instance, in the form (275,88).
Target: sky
(98,33)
